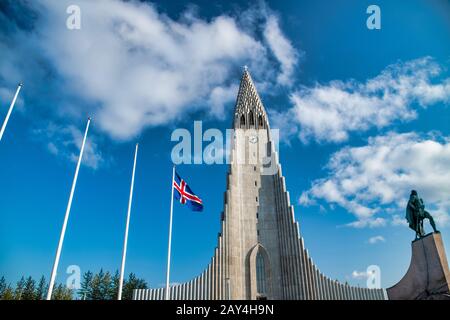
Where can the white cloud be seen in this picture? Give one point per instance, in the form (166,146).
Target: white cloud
(6,97)
(219,96)
(398,220)
(376,239)
(360,275)
(368,222)
(131,66)
(52,148)
(373,181)
(283,50)
(66,141)
(329,113)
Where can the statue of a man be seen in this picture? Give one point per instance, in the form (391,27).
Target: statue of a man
(416,213)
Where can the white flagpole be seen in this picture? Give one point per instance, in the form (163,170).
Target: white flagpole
(125,241)
(66,218)
(11,107)
(170,238)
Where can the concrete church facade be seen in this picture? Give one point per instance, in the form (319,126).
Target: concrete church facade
(260,252)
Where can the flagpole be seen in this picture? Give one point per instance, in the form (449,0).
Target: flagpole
(170,238)
(125,241)
(11,107)
(66,217)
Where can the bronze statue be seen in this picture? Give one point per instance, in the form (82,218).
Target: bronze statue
(416,213)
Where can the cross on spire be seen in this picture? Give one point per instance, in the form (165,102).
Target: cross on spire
(249,111)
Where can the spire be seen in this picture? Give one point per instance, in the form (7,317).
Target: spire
(249,111)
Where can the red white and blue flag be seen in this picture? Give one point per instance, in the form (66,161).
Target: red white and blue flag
(185,194)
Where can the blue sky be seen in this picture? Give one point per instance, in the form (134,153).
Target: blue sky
(364,113)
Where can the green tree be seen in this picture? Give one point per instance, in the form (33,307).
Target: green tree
(3,286)
(28,291)
(19,289)
(114,288)
(96,286)
(8,294)
(132,283)
(41,289)
(61,292)
(85,293)
(105,286)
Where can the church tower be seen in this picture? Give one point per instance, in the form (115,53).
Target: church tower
(260,252)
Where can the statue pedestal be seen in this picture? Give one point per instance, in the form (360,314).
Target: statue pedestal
(428,276)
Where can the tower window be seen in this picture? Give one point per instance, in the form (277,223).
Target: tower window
(260,122)
(256,184)
(242,121)
(251,118)
(260,274)
(256,199)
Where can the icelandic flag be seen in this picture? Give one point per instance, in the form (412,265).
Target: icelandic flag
(185,195)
